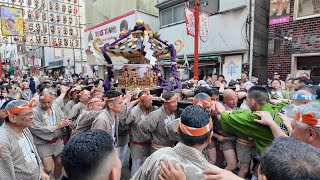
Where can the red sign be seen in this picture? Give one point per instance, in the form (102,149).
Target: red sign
(190,21)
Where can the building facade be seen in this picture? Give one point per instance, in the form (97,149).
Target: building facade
(294,46)
(237,36)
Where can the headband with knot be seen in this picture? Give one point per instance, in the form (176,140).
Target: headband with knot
(204,103)
(143,96)
(47,97)
(191,131)
(111,99)
(308,119)
(94,101)
(19,109)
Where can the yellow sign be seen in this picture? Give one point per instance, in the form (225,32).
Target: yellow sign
(11,21)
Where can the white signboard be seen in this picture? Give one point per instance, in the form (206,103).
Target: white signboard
(110,29)
(204,25)
(232,67)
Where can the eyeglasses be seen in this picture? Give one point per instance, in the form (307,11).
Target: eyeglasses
(276,74)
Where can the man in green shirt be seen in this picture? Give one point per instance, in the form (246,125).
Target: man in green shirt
(241,122)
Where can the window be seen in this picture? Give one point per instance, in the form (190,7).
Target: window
(172,15)
(212,6)
(304,9)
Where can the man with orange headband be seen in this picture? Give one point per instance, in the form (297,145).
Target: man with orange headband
(96,93)
(139,149)
(20,158)
(195,131)
(47,126)
(86,118)
(116,110)
(84,97)
(203,100)
(153,126)
(305,125)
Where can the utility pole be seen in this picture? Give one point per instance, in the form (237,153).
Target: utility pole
(196,40)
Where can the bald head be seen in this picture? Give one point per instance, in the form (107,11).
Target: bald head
(230,98)
(228,92)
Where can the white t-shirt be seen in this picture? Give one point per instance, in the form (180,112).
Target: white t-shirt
(27,150)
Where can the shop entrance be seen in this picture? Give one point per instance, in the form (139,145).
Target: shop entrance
(311,63)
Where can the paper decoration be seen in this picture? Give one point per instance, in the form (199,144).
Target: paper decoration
(11,21)
(148,50)
(190,21)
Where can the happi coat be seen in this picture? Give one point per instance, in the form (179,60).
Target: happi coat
(153,128)
(16,162)
(46,137)
(190,159)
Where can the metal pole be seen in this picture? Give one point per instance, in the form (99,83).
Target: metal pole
(33,70)
(74,62)
(196,41)
(251,38)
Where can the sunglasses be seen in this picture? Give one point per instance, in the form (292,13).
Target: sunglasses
(275,74)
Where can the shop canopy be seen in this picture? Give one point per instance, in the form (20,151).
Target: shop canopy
(191,59)
(53,67)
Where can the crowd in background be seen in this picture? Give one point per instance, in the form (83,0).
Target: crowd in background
(75,128)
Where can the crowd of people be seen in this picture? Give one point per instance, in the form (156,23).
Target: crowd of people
(75,128)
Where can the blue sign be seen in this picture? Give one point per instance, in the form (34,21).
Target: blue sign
(232,68)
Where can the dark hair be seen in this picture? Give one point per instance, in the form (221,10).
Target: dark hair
(75,75)
(179,91)
(123,24)
(213,91)
(112,94)
(41,87)
(307,88)
(276,80)
(85,152)
(259,94)
(141,93)
(221,76)
(8,87)
(167,95)
(288,158)
(302,80)
(185,86)
(201,89)
(232,83)
(197,117)
(79,79)
(202,97)
(291,79)
(316,88)
(166,88)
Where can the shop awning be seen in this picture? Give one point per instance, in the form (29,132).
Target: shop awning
(53,67)
(191,59)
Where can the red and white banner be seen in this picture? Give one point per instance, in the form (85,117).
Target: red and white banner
(204,25)
(190,21)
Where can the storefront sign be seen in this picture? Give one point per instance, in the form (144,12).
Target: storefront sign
(204,25)
(110,29)
(279,11)
(232,67)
